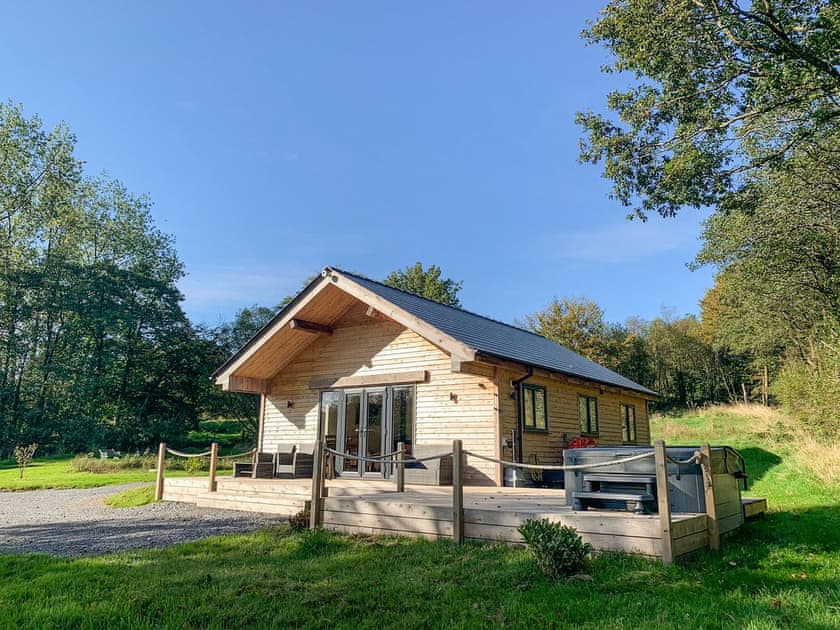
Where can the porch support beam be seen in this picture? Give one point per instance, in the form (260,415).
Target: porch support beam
(310,327)
(389,378)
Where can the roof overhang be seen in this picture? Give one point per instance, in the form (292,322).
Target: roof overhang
(311,314)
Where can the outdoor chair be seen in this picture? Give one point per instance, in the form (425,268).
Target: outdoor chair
(284,460)
(433,472)
(264,463)
(300,463)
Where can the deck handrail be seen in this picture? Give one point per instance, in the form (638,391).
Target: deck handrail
(238,455)
(691,460)
(386,459)
(172,451)
(503,462)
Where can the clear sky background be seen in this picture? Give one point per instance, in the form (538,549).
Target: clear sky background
(275,138)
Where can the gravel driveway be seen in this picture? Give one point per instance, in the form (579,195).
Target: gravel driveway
(77,522)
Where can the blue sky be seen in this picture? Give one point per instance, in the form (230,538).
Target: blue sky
(275,138)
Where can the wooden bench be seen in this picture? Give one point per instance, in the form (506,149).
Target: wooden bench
(636,491)
(595,481)
(109,453)
(640,503)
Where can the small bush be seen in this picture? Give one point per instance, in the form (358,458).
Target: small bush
(92,464)
(300,521)
(558,549)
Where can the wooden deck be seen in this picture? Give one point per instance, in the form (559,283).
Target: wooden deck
(490,514)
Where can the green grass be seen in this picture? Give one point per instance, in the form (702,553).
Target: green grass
(133,497)
(57,473)
(782,571)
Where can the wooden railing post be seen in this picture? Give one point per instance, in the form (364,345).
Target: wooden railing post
(457,492)
(317,487)
(709,487)
(400,471)
(664,501)
(161,462)
(214,454)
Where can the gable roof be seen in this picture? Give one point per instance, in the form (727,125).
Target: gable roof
(498,339)
(451,327)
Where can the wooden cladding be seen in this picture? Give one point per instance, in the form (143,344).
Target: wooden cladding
(246,385)
(365,380)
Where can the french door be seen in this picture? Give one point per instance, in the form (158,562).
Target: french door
(367,422)
(363,431)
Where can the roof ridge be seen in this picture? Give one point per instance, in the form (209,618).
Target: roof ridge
(455,308)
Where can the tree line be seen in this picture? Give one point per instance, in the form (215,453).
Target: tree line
(735,106)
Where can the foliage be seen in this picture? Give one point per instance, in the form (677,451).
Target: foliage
(94,347)
(92,464)
(426,283)
(577,324)
(299,521)
(23,456)
(670,355)
(723,88)
(809,387)
(133,497)
(776,572)
(558,549)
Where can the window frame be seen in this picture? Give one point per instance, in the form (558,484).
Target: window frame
(623,409)
(588,432)
(534,428)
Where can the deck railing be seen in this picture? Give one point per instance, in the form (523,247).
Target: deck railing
(212,453)
(459,459)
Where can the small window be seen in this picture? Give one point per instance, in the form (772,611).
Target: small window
(534,403)
(588,413)
(628,422)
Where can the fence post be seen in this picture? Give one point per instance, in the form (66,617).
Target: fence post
(709,487)
(664,501)
(457,492)
(160,464)
(400,467)
(214,454)
(317,485)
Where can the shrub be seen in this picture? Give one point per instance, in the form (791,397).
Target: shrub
(300,521)
(92,464)
(558,549)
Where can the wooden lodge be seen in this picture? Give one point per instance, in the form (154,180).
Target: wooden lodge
(365,366)
(364,371)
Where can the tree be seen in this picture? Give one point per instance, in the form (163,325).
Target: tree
(577,324)
(426,283)
(95,349)
(723,89)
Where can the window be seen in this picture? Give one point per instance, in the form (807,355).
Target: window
(588,413)
(535,408)
(628,422)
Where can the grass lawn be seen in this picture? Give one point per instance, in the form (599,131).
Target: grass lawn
(133,497)
(782,571)
(57,473)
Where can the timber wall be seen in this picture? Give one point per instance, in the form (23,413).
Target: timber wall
(450,405)
(563,417)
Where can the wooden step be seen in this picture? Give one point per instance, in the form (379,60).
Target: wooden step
(753,506)
(267,486)
(230,502)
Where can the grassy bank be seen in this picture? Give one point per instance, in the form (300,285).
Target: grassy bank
(781,571)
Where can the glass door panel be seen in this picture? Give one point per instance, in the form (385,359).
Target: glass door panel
(353,433)
(402,419)
(330,410)
(374,408)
